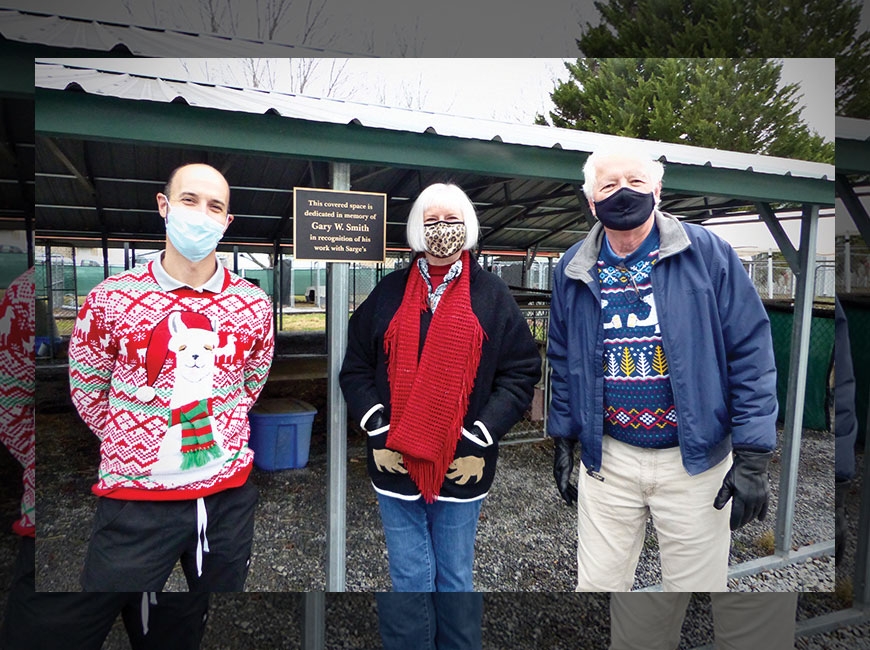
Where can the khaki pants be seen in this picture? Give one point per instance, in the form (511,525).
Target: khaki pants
(694,538)
(741,621)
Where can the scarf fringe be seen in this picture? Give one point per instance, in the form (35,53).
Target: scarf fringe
(200,457)
(429,476)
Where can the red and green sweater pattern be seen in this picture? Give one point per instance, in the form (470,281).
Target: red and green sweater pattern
(165,379)
(17,384)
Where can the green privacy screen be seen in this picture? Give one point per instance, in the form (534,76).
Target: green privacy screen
(821,348)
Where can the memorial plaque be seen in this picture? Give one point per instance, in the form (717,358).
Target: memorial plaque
(335,226)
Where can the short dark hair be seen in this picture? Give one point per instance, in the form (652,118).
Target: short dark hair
(168,187)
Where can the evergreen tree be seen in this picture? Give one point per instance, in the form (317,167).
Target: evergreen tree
(732,104)
(733,28)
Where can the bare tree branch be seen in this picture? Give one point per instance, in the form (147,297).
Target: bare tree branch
(336,77)
(313,12)
(408,46)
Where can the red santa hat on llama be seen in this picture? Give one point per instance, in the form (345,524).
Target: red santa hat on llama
(158,345)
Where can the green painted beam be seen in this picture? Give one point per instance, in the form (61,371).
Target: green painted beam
(16,80)
(852,156)
(83,116)
(735,183)
(16,59)
(79,115)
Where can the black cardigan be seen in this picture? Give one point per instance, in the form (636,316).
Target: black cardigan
(510,366)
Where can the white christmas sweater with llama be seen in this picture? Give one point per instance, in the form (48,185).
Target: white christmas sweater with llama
(165,375)
(17,384)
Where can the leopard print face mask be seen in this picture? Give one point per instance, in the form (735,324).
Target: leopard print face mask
(444,239)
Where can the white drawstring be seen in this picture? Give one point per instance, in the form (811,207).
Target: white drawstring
(201,539)
(144,608)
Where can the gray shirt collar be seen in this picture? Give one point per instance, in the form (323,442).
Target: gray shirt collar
(214,284)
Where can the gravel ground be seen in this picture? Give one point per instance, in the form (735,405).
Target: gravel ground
(526,543)
(511,621)
(526,539)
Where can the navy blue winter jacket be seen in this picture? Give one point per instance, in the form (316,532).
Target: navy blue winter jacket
(715,334)
(845,419)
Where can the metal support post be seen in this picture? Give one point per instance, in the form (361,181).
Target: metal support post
(336,337)
(794,407)
(313,620)
(276,295)
(847,263)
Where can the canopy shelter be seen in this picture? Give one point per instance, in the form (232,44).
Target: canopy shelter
(127,131)
(531,187)
(40,33)
(16,147)
(106,141)
(852,192)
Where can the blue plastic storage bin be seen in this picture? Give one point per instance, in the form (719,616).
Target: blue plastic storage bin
(281,433)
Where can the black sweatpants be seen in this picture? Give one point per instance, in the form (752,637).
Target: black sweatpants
(136,544)
(64,621)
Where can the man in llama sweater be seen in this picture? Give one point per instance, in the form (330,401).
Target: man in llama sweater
(165,362)
(57,621)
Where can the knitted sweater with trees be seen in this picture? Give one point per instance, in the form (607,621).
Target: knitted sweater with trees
(165,376)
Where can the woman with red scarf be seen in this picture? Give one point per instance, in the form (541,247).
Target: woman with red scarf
(440,364)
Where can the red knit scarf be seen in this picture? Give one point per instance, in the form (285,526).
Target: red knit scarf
(429,398)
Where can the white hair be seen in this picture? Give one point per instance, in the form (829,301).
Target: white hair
(442,195)
(654,169)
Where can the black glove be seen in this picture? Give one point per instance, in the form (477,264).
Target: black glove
(376,421)
(563,465)
(747,482)
(840,489)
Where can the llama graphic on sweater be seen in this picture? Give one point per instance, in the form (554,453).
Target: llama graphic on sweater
(192,448)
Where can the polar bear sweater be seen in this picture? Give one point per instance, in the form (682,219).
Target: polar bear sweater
(165,376)
(639,404)
(17,383)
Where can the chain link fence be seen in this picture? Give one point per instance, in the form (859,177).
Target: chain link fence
(853,265)
(533,424)
(64,278)
(774,279)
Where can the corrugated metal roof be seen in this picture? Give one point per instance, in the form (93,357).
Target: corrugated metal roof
(103,36)
(521,206)
(850,128)
(56,74)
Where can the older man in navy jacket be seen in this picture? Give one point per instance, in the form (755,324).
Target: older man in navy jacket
(662,367)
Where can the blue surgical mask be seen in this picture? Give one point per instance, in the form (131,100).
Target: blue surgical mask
(193,233)
(625,209)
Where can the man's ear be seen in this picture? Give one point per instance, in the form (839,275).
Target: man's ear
(162,204)
(229,220)
(657,192)
(592,207)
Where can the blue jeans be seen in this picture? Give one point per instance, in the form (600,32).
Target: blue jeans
(427,621)
(430,546)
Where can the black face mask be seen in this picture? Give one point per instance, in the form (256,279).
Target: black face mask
(625,209)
